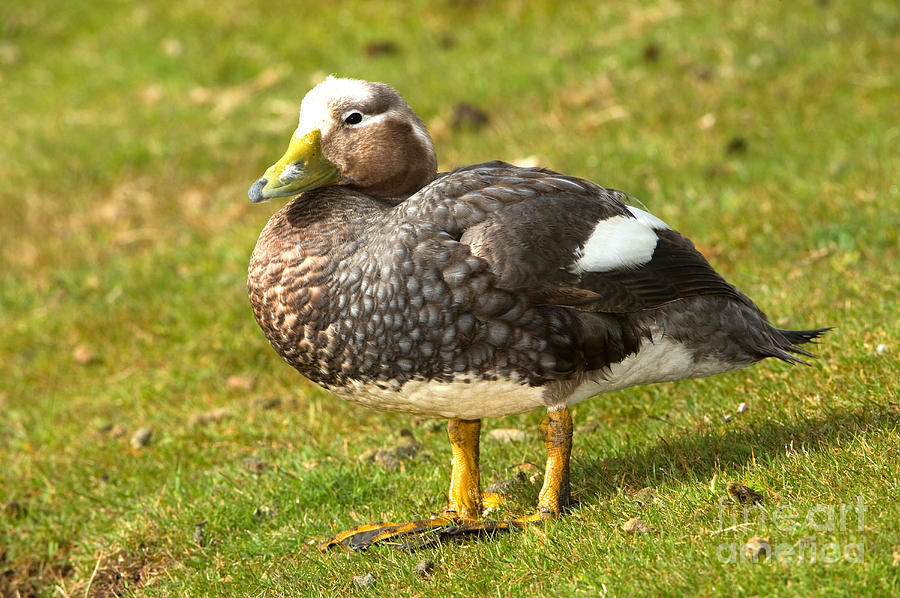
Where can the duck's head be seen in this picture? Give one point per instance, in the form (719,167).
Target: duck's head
(354,133)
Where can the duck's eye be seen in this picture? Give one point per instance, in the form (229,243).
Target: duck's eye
(354,118)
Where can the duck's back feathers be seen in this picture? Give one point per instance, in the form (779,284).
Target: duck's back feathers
(566,241)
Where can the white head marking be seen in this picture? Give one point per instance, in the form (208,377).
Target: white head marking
(315,109)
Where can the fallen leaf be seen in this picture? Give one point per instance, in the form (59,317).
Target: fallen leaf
(215,415)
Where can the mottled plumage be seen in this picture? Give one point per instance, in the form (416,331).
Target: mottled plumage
(467,280)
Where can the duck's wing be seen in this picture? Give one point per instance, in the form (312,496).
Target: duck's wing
(565,241)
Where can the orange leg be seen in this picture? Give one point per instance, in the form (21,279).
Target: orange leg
(556,431)
(466,500)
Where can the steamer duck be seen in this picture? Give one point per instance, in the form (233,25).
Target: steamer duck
(483,292)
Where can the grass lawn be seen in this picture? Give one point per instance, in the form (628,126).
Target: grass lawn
(766,132)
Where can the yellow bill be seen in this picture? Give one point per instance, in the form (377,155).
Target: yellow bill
(302,167)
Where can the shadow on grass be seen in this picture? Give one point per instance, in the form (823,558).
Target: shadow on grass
(699,455)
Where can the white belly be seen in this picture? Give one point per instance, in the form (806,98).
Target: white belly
(659,360)
(457,399)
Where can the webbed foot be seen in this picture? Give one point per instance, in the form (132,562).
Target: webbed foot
(424,532)
(363,536)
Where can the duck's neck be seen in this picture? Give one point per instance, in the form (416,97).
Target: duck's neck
(396,174)
(394,191)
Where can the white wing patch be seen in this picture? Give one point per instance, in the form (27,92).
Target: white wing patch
(615,243)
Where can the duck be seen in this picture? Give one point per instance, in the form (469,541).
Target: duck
(479,293)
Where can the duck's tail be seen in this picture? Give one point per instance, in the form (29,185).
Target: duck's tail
(786,343)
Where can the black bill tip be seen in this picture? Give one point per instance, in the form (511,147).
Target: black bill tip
(255,193)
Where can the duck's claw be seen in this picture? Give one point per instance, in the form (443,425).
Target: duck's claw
(363,536)
(464,529)
(425,532)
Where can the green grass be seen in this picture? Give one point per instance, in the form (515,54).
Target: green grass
(131,133)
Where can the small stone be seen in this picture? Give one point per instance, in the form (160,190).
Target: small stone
(83,355)
(364,582)
(407,447)
(433,425)
(736,145)
(254,464)
(239,382)
(743,494)
(384,47)
(9,53)
(705,73)
(198,538)
(200,95)
(172,47)
(424,567)
(707,121)
(268,403)
(742,408)
(14,510)
(151,94)
(651,52)
(264,512)
(141,437)
(506,435)
(726,418)
(386,460)
(636,526)
(757,549)
(529,469)
(881,349)
(645,496)
(507,485)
